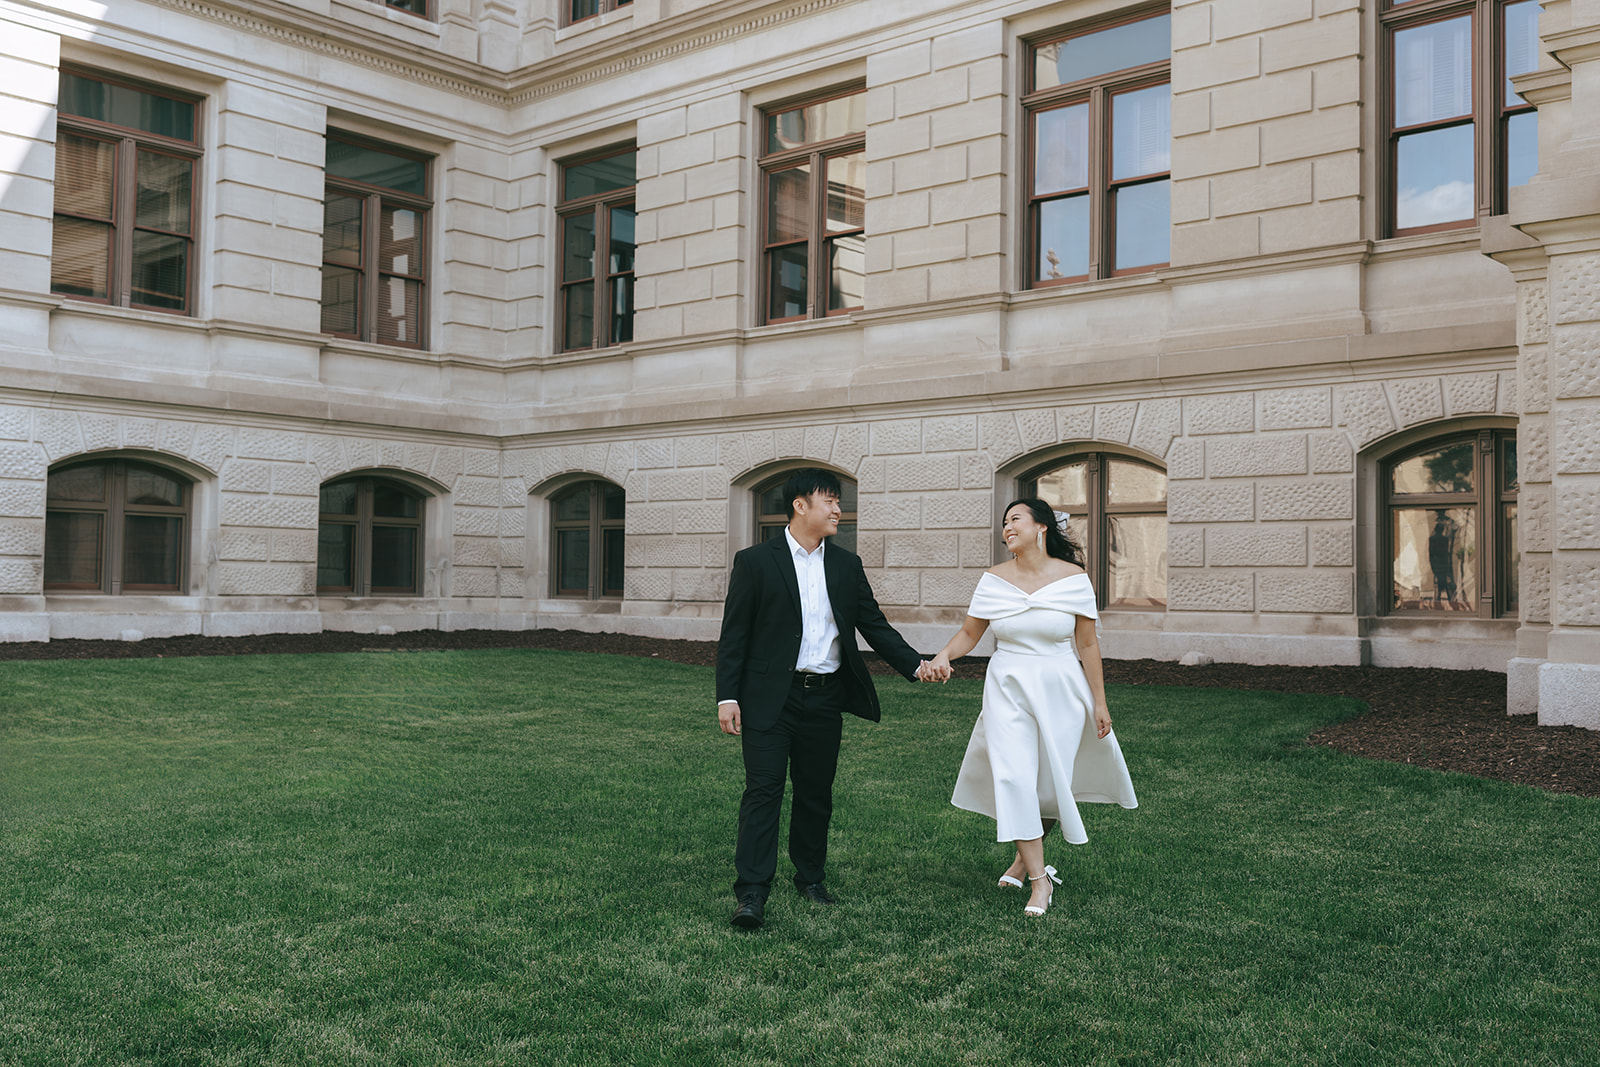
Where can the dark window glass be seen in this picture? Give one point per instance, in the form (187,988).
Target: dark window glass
(597,215)
(86,97)
(369,538)
(578,10)
(374,244)
(336,556)
(373,166)
(115,525)
(72,549)
(598,176)
(587,531)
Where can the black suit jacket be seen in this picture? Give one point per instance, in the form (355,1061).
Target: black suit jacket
(761,632)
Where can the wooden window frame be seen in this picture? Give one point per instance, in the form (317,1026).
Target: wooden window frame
(602,7)
(602,278)
(1490,154)
(124,185)
(374,198)
(363,522)
(1097,94)
(115,511)
(1497,548)
(1099,515)
(817,154)
(596,526)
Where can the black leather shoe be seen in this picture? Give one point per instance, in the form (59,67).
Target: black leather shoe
(817,893)
(750,913)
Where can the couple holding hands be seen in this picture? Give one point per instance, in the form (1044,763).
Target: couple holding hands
(788,667)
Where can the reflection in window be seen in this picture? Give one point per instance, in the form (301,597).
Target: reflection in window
(369,538)
(587,523)
(374,248)
(597,213)
(1118,509)
(115,526)
(772,511)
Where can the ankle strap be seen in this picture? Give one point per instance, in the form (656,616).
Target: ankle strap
(1049,872)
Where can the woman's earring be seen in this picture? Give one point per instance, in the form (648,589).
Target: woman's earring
(1041,540)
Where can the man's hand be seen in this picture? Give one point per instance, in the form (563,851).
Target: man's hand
(728,717)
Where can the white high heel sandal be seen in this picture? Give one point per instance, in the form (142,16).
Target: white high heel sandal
(1050,873)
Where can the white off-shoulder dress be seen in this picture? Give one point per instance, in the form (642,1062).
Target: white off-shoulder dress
(1034,751)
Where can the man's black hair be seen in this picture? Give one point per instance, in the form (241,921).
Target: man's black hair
(804,482)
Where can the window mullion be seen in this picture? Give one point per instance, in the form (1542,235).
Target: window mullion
(600,268)
(814,241)
(1100,203)
(124,213)
(361,583)
(596,565)
(371,217)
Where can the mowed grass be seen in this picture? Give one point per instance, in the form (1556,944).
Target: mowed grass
(524,857)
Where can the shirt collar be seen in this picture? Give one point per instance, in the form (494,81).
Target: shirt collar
(797,550)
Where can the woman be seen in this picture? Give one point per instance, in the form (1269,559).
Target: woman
(1044,738)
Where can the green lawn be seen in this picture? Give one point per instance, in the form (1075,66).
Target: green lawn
(526,857)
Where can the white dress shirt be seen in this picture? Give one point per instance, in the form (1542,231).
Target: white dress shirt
(819,640)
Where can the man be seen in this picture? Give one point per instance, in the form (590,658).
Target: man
(787,668)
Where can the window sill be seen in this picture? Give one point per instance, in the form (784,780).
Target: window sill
(1096,287)
(1466,238)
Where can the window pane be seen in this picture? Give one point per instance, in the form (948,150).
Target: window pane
(579,332)
(1508,468)
(1064,237)
(1522,44)
(847,272)
(394,559)
(572,561)
(787,282)
(814,123)
(1141,132)
(125,106)
(87,484)
(400,241)
(400,311)
(338,499)
(85,171)
(1434,553)
(1444,470)
(611,580)
(336,555)
(392,502)
(1510,562)
(622,246)
(845,538)
(1522,148)
(1065,487)
(1137,556)
(1061,149)
(772,529)
(1433,177)
(583,9)
(1433,72)
(577,247)
(599,175)
(573,505)
(1144,225)
(144,486)
(373,166)
(416,7)
(847,497)
(341,292)
(1131,45)
(789,204)
(72,548)
(770,502)
(160,270)
(622,309)
(150,550)
(613,503)
(341,230)
(80,256)
(162,197)
(847,192)
(1134,483)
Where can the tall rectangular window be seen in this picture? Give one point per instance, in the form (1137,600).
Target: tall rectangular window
(596,217)
(420,8)
(1098,113)
(1459,137)
(124,194)
(814,200)
(579,10)
(374,247)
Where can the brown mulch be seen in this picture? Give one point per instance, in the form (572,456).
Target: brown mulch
(1447,720)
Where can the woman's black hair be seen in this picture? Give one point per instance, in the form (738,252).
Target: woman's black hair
(1057,542)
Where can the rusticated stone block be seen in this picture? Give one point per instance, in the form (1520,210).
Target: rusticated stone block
(477,492)
(328,455)
(246,476)
(976,473)
(921,550)
(1577,441)
(700,586)
(21,500)
(1303,593)
(672,552)
(898,589)
(1364,411)
(1158,422)
(1577,591)
(270,444)
(595,456)
(294,546)
(819,442)
(99,432)
(266,579)
(674,485)
(1201,502)
(1333,546)
(1038,428)
(1255,457)
(361,453)
(58,432)
(1076,423)
(472,582)
(633,551)
(948,590)
(1114,422)
(849,445)
(870,477)
(291,512)
(890,513)
(1186,546)
(977,550)
(294,479)
(710,517)
(1256,546)
(1510,403)
(1575,360)
(512,581)
(24,577)
(1533,448)
(16,424)
(649,519)
(419,458)
(1467,394)
(1533,313)
(175,437)
(449,464)
(923,473)
(139,433)
(1578,512)
(486,464)
(1309,499)
(967,511)
(647,585)
(619,460)
(24,462)
(790,442)
(1186,460)
(1226,413)
(22,537)
(998,436)
(633,487)
(1417,400)
(1210,591)
(760,447)
(1331,454)
(478,522)
(903,435)
(475,552)
(247,545)
(1534,596)
(869,546)
(730,447)
(950,433)
(1296,409)
(1575,286)
(513,522)
(1534,518)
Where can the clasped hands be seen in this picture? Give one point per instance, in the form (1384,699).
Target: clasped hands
(937,669)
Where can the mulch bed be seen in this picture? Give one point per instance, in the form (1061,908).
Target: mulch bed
(1447,720)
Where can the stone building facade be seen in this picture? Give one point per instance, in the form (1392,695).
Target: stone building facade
(317,320)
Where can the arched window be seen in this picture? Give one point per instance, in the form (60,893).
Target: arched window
(772,510)
(586,531)
(1450,535)
(1119,514)
(116,526)
(369,538)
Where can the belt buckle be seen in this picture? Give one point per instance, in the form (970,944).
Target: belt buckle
(811,680)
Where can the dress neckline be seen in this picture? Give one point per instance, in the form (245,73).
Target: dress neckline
(1042,588)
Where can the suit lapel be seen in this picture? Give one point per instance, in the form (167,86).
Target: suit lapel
(785,564)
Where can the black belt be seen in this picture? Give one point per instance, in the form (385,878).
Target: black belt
(808,680)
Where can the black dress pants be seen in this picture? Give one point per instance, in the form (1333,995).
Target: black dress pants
(802,744)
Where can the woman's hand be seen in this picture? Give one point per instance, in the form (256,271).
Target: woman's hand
(1102,720)
(939,669)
